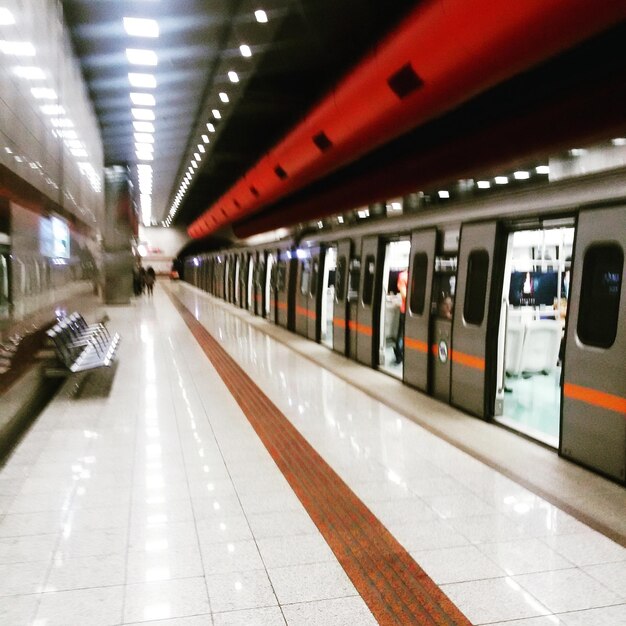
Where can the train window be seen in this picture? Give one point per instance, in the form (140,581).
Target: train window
(368,280)
(418,283)
(355,276)
(476,287)
(305,277)
(600,295)
(340,274)
(281,274)
(314,275)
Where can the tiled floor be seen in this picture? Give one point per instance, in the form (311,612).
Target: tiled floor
(159,503)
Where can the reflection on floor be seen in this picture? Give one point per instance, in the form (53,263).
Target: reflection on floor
(389,365)
(533,405)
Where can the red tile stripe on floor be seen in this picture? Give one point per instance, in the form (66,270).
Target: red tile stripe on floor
(395,588)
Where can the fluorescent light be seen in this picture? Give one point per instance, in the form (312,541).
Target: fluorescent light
(619,141)
(443,193)
(144,147)
(363,213)
(210,127)
(79,152)
(62,122)
(483,184)
(67,134)
(201,148)
(205,138)
(141,27)
(232,76)
(43,93)
(142,80)
(340,219)
(245,50)
(145,156)
(216,114)
(18,48)
(521,175)
(74,143)
(542,169)
(577,151)
(143,127)
(223,97)
(141,57)
(52,109)
(29,72)
(501,180)
(196,156)
(144,138)
(143,114)
(194,164)
(261,16)
(143,99)
(6,17)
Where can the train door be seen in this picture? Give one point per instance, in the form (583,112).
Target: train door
(395,262)
(328,295)
(593,430)
(343,298)
(303,286)
(220,277)
(366,324)
(259,297)
(418,310)
(250,283)
(531,332)
(270,288)
(472,363)
(282,288)
(4,283)
(236,281)
(313,301)
(227,263)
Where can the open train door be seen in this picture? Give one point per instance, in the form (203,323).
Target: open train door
(314,300)
(341,308)
(366,324)
(471,361)
(593,426)
(417,316)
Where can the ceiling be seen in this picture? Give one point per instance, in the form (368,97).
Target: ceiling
(296,56)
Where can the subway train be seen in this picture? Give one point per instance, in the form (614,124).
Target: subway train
(513,309)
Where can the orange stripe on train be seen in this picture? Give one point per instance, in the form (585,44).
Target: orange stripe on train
(593,396)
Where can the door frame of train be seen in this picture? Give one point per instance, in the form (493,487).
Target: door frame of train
(367,321)
(473,354)
(593,394)
(341,308)
(417,332)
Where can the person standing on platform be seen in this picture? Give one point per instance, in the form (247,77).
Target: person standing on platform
(398,350)
(150,280)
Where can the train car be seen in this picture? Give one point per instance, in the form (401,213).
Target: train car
(507,307)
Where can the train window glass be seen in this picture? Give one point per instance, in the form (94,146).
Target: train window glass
(476,287)
(281,274)
(444,287)
(314,275)
(600,295)
(305,277)
(340,274)
(418,283)
(368,280)
(354,277)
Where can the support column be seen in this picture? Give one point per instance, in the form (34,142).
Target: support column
(120,227)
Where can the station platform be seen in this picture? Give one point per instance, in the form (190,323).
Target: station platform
(228,472)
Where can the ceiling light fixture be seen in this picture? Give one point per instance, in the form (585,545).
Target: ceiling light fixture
(144,147)
(261,16)
(542,169)
(147,81)
(43,93)
(216,114)
(245,50)
(144,138)
(521,175)
(443,194)
(232,76)
(201,148)
(143,127)
(210,127)
(6,17)
(501,180)
(18,48)
(143,99)
(29,72)
(145,156)
(205,138)
(224,97)
(143,114)
(136,56)
(483,184)
(141,27)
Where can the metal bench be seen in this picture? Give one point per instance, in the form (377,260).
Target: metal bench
(80,346)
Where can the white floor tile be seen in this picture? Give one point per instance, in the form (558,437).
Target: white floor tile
(607,616)
(335,612)
(295,550)
(269,616)
(524,556)
(588,548)
(23,578)
(86,572)
(223,558)
(241,590)
(611,575)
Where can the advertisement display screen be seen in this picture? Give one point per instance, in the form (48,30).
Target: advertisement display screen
(54,238)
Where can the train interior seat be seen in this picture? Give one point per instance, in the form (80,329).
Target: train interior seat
(514,347)
(542,340)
